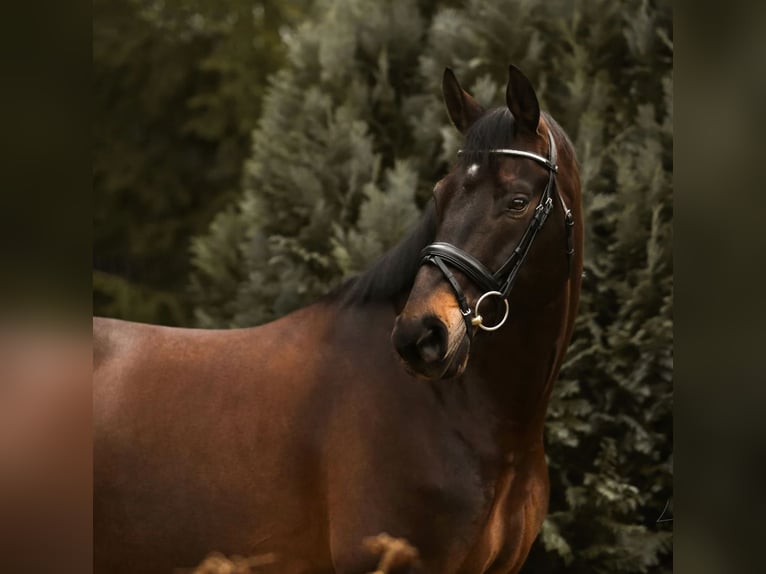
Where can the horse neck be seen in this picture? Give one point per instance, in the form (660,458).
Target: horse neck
(515,367)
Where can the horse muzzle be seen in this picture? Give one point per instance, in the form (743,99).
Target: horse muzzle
(429,348)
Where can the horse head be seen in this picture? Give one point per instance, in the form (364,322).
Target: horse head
(503,235)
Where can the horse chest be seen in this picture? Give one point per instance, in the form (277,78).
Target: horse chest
(512,522)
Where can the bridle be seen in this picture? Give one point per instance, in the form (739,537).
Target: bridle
(500,283)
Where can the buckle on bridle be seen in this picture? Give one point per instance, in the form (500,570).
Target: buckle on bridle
(542,211)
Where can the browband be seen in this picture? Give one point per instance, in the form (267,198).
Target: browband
(528,154)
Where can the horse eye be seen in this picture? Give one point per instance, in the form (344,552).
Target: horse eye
(519,203)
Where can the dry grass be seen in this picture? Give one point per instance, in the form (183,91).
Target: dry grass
(217,563)
(395,553)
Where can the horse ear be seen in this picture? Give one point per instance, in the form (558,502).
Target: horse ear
(462,108)
(521,99)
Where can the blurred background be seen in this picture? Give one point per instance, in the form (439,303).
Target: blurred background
(249,155)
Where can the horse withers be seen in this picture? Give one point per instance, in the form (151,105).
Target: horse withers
(409,401)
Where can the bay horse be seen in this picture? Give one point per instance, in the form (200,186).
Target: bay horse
(410,401)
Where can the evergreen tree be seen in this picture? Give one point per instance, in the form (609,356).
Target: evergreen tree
(177,91)
(329,142)
(354,134)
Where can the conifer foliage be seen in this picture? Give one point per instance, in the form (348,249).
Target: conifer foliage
(177,90)
(353,136)
(329,167)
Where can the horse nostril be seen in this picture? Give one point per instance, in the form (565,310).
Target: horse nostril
(420,341)
(432,344)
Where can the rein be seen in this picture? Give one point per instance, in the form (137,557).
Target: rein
(500,283)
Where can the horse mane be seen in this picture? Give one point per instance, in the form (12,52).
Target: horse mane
(393,273)
(564,146)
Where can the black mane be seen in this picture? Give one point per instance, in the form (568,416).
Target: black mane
(393,273)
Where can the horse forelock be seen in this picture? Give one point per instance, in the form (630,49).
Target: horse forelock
(494,129)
